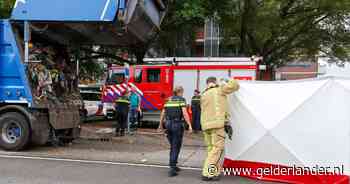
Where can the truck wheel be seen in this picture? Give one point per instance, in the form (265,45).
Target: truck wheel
(14,131)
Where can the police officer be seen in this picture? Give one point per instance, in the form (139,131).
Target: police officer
(175,115)
(122,109)
(196,111)
(215,124)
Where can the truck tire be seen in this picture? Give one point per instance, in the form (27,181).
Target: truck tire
(14,131)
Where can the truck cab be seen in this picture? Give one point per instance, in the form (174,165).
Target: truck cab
(157,78)
(154,81)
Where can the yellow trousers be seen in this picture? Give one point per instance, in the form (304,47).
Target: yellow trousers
(215,141)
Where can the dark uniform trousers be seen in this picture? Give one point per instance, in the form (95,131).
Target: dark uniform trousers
(122,118)
(122,114)
(196,113)
(175,131)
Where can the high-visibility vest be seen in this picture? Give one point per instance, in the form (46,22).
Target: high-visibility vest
(173,108)
(196,101)
(123,99)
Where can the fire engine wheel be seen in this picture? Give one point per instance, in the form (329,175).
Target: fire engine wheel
(15,131)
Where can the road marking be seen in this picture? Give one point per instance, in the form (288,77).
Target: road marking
(92,161)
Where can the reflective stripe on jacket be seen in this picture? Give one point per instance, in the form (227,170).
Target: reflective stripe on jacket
(123,99)
(174,104)
(196,100)
(173,107)
(214,105)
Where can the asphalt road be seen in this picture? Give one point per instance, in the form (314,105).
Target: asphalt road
(45,171)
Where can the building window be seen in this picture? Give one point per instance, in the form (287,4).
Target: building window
(153,75)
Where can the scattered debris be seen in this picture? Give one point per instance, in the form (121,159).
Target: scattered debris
(52,76)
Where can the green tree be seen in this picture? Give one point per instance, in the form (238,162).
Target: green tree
(178,28)
(278,30)
(6,7)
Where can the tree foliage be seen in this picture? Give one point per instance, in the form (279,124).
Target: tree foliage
(284,29)
(6,7)
(278,30)
(179,25)
(91,69)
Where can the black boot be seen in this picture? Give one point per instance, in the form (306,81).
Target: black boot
(172,172)
(216,178)
(117,133)
(122,132)
(205,178)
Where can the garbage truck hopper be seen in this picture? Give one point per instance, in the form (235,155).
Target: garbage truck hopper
(99,22)
(39,100)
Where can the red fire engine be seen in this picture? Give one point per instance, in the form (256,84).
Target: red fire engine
(155,80)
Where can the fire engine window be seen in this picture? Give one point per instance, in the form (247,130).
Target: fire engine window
(116,78)
(153,75)
(138,75)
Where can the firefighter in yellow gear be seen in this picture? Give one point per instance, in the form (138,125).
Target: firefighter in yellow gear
(215,124)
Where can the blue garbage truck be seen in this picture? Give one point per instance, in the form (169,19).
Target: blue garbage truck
(37,105)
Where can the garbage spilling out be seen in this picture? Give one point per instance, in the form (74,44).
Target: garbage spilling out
(52,76)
